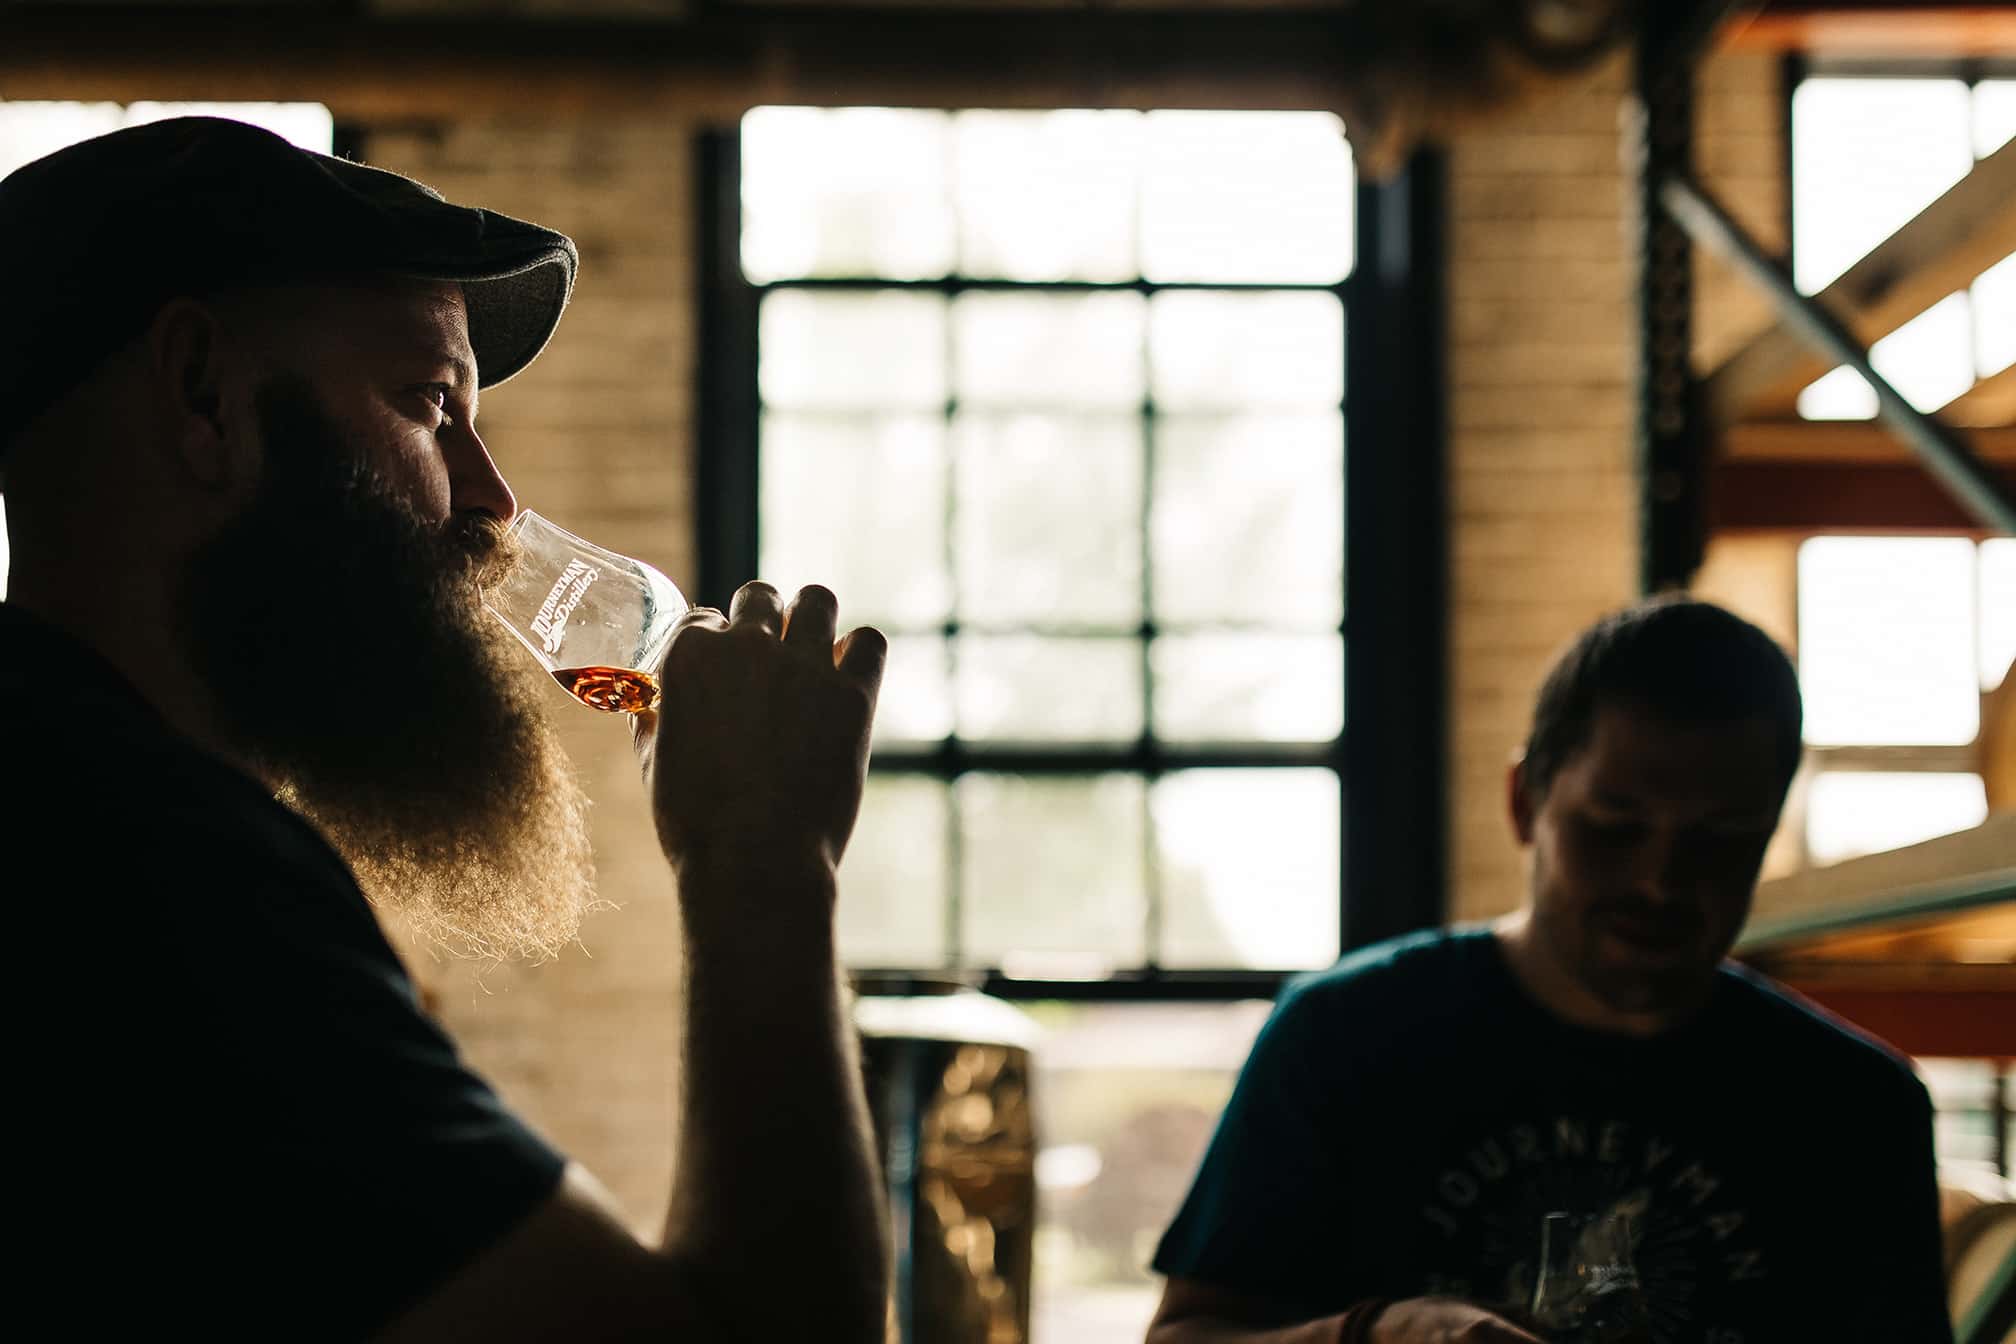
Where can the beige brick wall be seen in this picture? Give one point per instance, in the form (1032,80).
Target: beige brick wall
(598,435)
(1543,532)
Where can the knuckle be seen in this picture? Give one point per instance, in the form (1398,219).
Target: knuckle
(686,644)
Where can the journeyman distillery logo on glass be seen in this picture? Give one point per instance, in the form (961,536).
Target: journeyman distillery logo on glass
(551,622)
(1693,1243)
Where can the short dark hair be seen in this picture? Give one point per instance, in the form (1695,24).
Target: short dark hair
(1676,657)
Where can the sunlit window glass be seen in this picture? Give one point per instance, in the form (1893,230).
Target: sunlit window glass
(1868,154)
(1994,115)
(1998,610)
(1886,640)
(1995,317)
(845,192)
(1850,813)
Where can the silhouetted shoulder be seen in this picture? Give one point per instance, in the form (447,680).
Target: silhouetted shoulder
(1773,1028)
(1429,974)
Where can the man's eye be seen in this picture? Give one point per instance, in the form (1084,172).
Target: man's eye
(437,397)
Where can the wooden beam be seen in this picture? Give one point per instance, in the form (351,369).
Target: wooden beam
(710,68)
(1834,496)
(1990,402)
(1961,1023)
(1942,249)
(1893,29)
(1846,442)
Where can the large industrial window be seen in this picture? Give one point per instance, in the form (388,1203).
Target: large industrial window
(1056,399)
(29,130)
(1899,637)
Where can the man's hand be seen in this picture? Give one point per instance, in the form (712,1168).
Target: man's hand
(1445,1320)
(760,742)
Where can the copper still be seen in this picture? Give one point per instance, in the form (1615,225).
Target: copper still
(948,1075)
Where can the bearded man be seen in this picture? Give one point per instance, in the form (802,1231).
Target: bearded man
(245,678)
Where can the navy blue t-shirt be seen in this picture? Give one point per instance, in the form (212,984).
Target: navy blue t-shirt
(233,1119)
(1408,1117)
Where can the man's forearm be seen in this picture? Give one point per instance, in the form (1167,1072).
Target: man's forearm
(777,1178)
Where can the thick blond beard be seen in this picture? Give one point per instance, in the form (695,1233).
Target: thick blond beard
(513,882)
(411,729)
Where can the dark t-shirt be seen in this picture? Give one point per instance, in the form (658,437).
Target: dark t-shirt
(236,1121)
(1408,1117)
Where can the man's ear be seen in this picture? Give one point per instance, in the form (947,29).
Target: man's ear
(1519,800)
(188,356)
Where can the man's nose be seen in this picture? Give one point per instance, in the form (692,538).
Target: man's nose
(1661,867)
(476,484)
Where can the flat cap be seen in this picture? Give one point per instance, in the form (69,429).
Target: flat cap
(102,233)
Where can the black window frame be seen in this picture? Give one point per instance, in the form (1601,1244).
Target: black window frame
(1390,758)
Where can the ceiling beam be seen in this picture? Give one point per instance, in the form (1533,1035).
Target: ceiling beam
(1942,249)
(712,67)
(1833,496)
(1893,29)
(1845,442)
(1990,402)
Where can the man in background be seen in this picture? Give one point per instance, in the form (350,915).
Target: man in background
(1409,1118)
(245,680)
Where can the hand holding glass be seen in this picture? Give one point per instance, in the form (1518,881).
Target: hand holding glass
(1588,1290)
(598,621)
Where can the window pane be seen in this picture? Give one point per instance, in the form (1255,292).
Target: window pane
(857,191)
(879,351)
(1262,197)
(1048,520)
(30,130)
(1871,153)
(1248,688)
(1047,195)
(1994,115)
(1851,813)
(308,125)
(1249,520)
(1886,640)
(892,883)
(830,486)
(1051,874)
(1929,360)
(1230,351)
(1994,296)
(915,705)
(1126,1095)
(1049,350)
(1998,610)
(1963,1104)
(1247,863)
(1023,688)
